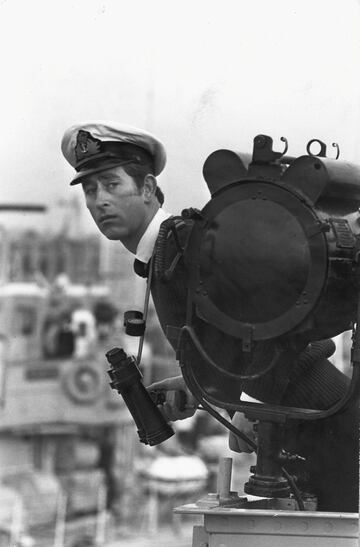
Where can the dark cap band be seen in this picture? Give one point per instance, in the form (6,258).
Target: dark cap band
(88,149)
(97,167)
(93,155)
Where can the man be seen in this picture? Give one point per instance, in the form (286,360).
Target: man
(117,166)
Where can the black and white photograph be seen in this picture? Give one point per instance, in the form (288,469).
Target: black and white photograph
(179,273)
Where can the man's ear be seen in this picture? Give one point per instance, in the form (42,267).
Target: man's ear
(150,185)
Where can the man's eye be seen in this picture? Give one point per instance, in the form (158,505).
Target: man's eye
(112,185)
(90,191)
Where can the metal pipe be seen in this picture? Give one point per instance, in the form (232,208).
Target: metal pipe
(224,478)
(23,207)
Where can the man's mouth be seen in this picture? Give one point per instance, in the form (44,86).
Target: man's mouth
(106,218)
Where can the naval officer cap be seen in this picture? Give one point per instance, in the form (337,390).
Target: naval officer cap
(92,147)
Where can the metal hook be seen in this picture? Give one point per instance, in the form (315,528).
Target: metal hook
(283,139)
(322,152)
(335,145)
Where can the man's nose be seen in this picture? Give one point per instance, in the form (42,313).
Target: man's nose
(102,197)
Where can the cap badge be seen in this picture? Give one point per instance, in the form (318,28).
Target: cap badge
(86,145)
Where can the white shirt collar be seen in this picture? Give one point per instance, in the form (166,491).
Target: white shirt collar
(146,244)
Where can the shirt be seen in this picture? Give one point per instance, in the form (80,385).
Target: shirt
(146,244)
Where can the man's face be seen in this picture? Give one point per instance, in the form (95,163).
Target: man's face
(117,206)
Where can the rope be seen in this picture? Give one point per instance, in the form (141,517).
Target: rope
(146,309)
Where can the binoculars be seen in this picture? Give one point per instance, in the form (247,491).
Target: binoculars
(126,379)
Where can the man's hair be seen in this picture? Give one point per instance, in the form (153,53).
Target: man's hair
(138,172)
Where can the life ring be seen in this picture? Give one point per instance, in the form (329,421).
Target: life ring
(82,382)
